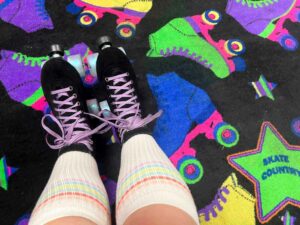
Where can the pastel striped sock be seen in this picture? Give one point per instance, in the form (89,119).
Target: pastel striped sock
(148,177)
(74,189)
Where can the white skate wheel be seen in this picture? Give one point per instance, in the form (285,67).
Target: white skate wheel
(93,106)
(104,106)
(92,64)
(77,62)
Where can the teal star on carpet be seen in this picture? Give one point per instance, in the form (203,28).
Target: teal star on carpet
(5,172)
(274,169)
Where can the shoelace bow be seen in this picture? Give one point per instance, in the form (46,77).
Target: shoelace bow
(72,124)
(127,107)
(216,202)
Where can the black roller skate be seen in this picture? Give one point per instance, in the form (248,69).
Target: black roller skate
(116,75)
(65,94)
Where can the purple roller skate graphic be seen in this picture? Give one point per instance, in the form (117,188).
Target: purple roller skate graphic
(267,20)
(20,75)
(30,15)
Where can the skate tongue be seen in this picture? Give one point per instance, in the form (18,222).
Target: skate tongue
(116,71)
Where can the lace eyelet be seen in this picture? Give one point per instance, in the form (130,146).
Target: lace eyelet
(78,103)
(75,95)
(106,79)
(71,88)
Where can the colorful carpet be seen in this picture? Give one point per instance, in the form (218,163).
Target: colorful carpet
(225,73)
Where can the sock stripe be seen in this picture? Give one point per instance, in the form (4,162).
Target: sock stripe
(70,195)
(140,166)
(73,189)
(80,188)
(150,171)
(75,186)
(160,179)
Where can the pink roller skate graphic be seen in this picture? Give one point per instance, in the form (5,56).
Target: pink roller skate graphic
(213,128)
(20,75)
(267,20)
(129,13)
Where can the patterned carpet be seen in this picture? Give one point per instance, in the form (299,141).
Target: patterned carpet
(225,73)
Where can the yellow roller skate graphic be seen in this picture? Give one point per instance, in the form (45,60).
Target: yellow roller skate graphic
(233,205)
(129,13)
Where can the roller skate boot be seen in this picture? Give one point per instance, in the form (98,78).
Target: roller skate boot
(117,76)
(129,13)
(232,205)
(65,94)
(29,15)
(20,75)
(266,19)
(86,67)
(192,105)
(193,41)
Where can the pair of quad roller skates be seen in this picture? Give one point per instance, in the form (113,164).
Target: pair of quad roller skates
(87,69)
(129,13)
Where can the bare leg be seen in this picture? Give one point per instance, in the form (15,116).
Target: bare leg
(72,220)
(159,215)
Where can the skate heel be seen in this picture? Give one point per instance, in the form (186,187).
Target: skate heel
(56,50)
(104,42)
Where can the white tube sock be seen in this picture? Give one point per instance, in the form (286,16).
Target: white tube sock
(74,189)
(148,177)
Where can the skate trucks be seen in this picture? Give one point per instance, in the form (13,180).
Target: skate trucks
(129,13)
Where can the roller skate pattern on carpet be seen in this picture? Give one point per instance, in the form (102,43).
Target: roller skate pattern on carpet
(225,74)
(29,15)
